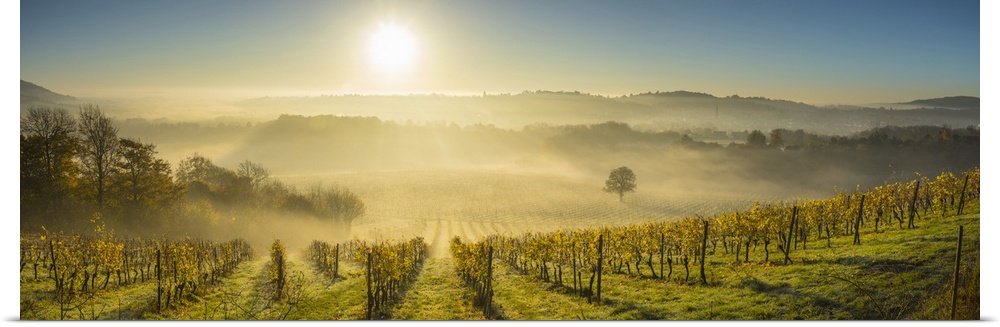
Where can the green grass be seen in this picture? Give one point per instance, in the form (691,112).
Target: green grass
(519,297)
(246,296)
(233,299)
(438,294)
(893,274)
(116,302)
(323,299)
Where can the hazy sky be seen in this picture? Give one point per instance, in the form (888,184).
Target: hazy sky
(817,52)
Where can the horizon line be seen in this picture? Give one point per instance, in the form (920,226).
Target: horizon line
(258,93)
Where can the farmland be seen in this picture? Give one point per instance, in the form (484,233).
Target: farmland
(832,278)
(531,160)
(426,202)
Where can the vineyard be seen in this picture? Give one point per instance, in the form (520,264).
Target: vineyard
(888,252)
(77,271)
(407,204)
(586,253)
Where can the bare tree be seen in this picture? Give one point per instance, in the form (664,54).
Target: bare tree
(100,149)
(254,173)
(621,181)
(54,129)
(342,205)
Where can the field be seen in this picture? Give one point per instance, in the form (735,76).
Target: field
(474,203)
(895,273)
(484,161)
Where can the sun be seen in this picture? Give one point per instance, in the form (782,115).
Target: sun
(392,49)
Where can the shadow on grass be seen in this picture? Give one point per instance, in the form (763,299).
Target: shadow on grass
(498,312)
(632,310)
(802,298)
(135,312)
(404,289)
(879,264)
(622,308)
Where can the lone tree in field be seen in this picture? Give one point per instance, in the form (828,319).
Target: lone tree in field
(620,181)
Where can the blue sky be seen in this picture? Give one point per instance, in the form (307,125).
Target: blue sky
(811,51)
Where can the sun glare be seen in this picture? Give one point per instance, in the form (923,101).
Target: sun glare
(392,49)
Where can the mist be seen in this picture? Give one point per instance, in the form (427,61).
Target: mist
(485,179)
(435,166)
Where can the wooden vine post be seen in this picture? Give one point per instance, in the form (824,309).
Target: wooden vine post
(600,264)
(857,221)
(788,240)
(961,201)
(704,242)
(792,235)
(958,264)
(913,206)
(368,279)
(489,284)
(336,261)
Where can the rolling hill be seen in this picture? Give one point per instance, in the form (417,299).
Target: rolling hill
(34,95)
(654,111)
(957,102)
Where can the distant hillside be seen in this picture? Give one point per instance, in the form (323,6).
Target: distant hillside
(681,94)
(654,111)
(959,102)
(32,94)
(682,111)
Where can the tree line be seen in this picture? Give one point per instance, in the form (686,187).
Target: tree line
(73,166)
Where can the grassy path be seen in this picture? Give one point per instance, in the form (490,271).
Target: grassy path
(247,296)
(438,242)
(438,294)
(324,299)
